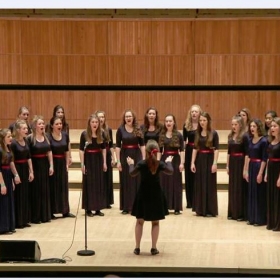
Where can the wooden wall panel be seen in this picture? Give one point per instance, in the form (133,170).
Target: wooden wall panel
(10,69)
(172,37)
(40,69)
(64,37)
(10,37)
(173,70)
(42,37)
(86,37)
(79,105)
(259,36)
(83,70)
(129,37)
(237,70)
(130,70)
(214,36)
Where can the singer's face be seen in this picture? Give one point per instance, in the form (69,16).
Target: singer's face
(40,126)
(57,125)
(101,118)
(94,123)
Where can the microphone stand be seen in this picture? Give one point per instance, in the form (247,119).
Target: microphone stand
(85,252)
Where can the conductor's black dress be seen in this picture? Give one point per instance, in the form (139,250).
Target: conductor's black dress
(150,202)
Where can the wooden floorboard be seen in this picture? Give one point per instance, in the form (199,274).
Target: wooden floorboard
(188,245)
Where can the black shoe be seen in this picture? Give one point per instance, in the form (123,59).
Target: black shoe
(109,207)
(249,223)
(240,219)
(19,227)
(69,215)
(89,213)
(36,222)
(98,213)
(136,251)
(229,218)
(124,212)
(13,231)
(27,225)
(54,217)
(177,212)
(154,251)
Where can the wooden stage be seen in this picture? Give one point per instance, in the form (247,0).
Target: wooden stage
(188,245)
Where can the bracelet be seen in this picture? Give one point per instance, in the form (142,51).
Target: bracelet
(16,175)
(118,161)
(82,165)
(3,185)
(215,163)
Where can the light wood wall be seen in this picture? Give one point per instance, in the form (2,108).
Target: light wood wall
(139,52)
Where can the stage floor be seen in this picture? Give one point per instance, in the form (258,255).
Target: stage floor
(188,245)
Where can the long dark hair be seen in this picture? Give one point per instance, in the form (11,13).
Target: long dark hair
(175,142)
(136,129)
(65,125)
(158,125)
(209,132)
(260,127)
(152,149)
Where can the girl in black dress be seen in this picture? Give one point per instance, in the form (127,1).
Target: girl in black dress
(151,127)
(257,158)
(204,165)
(236,169)
(129,142)
(272,177)
(59,191)
(93,163)
(110,158)
(8,177)
(189,130)
(171,143)
(58,111)
(23,164)
(42,162)
(150,203)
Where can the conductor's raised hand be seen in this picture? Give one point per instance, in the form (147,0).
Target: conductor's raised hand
(169,159)
(129,160)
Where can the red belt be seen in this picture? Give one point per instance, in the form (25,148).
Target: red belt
(237,154)
(170,153)
(190,144)
(274,159)
(59,156)
(255,160)
(93,151)
(130,146)
(39,156)
(21,161)
(206,151)
(6,167)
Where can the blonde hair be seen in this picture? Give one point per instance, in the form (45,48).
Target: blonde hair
(33,134)
(188,121)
